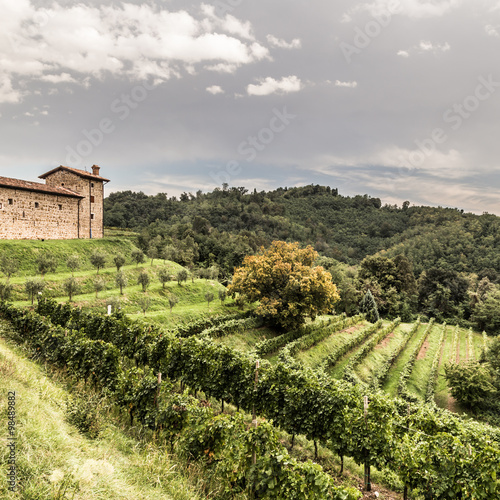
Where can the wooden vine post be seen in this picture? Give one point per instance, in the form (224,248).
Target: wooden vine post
(368,484)
(405,493)
(254,414)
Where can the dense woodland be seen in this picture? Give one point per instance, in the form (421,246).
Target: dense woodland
(437,262)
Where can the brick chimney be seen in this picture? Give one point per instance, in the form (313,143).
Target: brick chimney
(95,170)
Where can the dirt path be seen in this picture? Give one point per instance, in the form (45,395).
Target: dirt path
(384,342)
(423,350)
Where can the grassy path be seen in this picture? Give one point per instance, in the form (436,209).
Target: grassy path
(391,383)
(53,455)
(377,357)
(417,383)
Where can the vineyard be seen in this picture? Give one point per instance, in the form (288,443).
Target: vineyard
(337,405)
(402,359)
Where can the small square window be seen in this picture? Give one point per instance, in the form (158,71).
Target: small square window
(91,199)
(92,216)
(1,206)
(91,184)
(60,207)
(11,201)
(37,204)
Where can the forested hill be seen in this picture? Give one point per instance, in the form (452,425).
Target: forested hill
(222,226)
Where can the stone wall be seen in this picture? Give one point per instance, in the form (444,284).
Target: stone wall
(33,215)
(91,212)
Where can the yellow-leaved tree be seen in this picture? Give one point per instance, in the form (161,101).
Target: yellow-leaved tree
(289,289)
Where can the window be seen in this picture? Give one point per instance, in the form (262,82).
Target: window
(92,216)
(11,201)
(1,206)
(60,207)
(91,184)
(37,204)
(62,184)
(91,199)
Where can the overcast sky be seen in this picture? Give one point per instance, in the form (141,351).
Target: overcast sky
(398,99)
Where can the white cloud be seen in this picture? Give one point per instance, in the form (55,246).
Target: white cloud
(62,43)
(350,85)
(7,93)
(283,44)
(416,9)
(492,30)
(427,46)
(62,78)
(272,86)
(215,89)
(403,53)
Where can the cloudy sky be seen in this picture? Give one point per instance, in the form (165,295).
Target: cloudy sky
(394,98)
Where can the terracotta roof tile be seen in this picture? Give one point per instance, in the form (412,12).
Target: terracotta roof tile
(77,171)
(36,186)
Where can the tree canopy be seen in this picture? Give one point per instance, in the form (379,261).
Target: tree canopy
(287,285)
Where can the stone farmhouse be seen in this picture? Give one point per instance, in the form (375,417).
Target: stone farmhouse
(69,205)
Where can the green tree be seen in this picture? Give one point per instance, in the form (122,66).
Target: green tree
(119,260)
(222,295)
(46,263)
(71,287)
(486,313)
(5,290)
(8,265)
(368,306)
(182,275)
(73,263)
(471,384)
(287,285)
(138,257)
(143,280)
(144,303)
(34,287)
(99,285)
(209,296)
(172,300)
(163,276)
(152,252)
(121,281)
(98,260)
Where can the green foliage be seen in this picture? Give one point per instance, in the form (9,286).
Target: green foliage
(71,287)
(34,287)
(5,290)
(98,260)
(209,296)
(119,261)
(86,412)
(46,263)
(73,263)
(99,286)
(470,383)
(486,314)
(368,307)
(121,281)
(144,303)
(182,275)
(164,276)
(8,265)
(433,375)
(172,301)
(138,257)
(143,279)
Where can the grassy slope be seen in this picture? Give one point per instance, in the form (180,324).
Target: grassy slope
(376,358)
(51,453)
(26,251)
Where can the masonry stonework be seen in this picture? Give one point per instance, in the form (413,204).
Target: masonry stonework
(68,206)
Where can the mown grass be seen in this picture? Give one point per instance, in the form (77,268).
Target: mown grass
(246,341)
(27,251)
(391,383)
(55,461)
(417,383)
(318,353)
(377,357)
